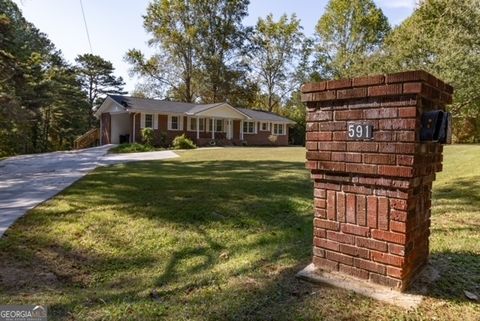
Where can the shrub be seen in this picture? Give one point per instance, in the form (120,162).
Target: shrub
(148,137)
(183,142)
(131,148)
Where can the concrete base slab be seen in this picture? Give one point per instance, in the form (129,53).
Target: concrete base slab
(404,300)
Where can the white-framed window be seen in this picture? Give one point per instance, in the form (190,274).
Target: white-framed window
(148,121)
(219,126)
(264,127)
(175,122)
(193,124)
(249,127)
(279,129)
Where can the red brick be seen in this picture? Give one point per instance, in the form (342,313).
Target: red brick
(378,113)
(319,193)
(388,259)
(405,136)
(371,244)
(333,125)
(395,124)
(397,226)
(320,115)
(329,225)
(368,80)
(394,272)
(357,189)
(400,216)
(322,136)
(331,208)
(333,146)
(354,251)
(406,76)
(385,136)
(407,112)
(385,280)
(318,252)
(326,244)
(362,147)
(324,95)
(320,203)
(353,157)
(350,270)
(369,265)
(386,148)
(385,90)
(355,229)
(312,155)
(314,86)
(405,160)
(320,233)
(341,207)
(320,212)
(412,88)
(396,249)
(388,236)
(349,114)
(339,136)
(361,168)
(311,165)
(372,211)
(340,237)
(325,264)
(338,156)
(311,127)
(345,259)
(405,148)
(361,210)
(352,93)
(337,84)
(311,146)
(328,185)
(399,204)
(331,166)
(383,212)
(351,208)
(397,171)
(388,159)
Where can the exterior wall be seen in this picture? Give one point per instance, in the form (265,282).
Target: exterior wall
(262,138)
(106,128)
(372,197)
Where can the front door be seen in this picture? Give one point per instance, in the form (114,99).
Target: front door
(229,129)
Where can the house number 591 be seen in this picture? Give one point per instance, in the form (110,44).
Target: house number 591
(359,131)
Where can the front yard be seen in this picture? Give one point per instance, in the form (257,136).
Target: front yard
(218,235)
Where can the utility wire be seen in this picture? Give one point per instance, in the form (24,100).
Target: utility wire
(86,27)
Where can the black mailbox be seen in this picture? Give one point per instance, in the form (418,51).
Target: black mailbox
(436,127)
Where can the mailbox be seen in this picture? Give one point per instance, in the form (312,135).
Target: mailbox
(436,127)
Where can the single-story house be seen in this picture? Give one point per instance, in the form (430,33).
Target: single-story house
(122,119)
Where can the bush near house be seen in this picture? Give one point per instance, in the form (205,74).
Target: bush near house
(183,142)
(148,137)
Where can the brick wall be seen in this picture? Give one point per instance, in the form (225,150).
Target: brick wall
(373,197)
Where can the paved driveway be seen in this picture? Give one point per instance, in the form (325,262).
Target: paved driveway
(28,180)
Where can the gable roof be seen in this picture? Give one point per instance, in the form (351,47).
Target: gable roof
(166,106)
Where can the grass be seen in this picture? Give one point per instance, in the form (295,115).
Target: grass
(218,235)
(133,148)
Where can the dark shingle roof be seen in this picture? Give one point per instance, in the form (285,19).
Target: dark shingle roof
(158,106)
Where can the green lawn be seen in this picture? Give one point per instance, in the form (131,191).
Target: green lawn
(218,235)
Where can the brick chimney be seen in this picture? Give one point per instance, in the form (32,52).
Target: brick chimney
(372,194)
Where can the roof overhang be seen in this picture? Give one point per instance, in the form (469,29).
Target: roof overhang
(111,106)
(220,110)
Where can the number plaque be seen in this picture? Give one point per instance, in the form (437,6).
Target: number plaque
(358,131)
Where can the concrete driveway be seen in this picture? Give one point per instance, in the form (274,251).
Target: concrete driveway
(28,180)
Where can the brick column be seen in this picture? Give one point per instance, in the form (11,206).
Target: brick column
(373,197)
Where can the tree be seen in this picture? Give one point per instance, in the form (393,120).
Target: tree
(278,54)
(347,34)
(441,37)
(97,79)
(198,44)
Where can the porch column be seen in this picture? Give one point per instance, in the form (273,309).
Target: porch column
(198,128)
(213,128)
(241,130)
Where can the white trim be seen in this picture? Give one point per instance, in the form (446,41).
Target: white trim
(284,129)
(155,121)
(179,122)
(254,127)
(261,126)
(219,105)
(241,130)
(142,120)
(144,123)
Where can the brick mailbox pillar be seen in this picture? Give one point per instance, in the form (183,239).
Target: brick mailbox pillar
(372,174)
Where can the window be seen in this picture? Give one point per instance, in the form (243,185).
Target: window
(249,127)
(193,124)
(148,121)
(278,129)
(174,123)
(218,125)
(264,127)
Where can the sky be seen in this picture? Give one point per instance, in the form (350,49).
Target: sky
(117,25)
